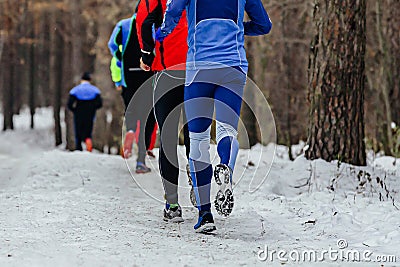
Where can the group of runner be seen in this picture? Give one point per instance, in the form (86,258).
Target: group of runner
(186,57)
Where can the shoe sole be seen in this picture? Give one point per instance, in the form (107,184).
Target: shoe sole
(174,220)
(127,154)
(142,171)
(224,200)
(192,194)
(206,228)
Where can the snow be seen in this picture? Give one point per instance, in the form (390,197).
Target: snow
(61,208)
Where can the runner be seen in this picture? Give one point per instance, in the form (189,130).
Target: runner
(84,100)
(215,77)
(128,77)
(169,63)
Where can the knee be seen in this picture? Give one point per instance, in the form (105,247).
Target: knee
(200,145)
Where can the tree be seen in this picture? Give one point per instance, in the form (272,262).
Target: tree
(280,67)
(337,81)
(47,57)
(32,70)
(383,57)
(55,64)
(75,64)
(247,114)
(8,69)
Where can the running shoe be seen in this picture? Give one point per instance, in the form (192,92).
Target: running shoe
(128,143)
(142,168)
(224,199)
(89,144)
(205,223)
(173,213)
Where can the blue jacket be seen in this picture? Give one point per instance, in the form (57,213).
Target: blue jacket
(84,99)
(124,48)
(85,91)
(216,30)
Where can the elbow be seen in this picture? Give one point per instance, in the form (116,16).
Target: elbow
(257,29)
(112,47)
(110,44)
(267,27)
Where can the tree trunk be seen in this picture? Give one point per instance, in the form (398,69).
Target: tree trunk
(8,75)
(247,115)
(32,70)
(8,93)
(286,82)
(106,132)
(20,67)
(336,82)
(382,93)
(67,85)
(41,60)
(55,64)
(394,37)
(75,66)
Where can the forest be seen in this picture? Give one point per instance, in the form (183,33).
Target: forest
(329,70)
(318,175)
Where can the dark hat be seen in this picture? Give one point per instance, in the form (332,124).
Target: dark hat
(86,76)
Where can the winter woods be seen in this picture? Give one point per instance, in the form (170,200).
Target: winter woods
(46,45)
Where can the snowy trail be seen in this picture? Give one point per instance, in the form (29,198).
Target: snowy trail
(82,209)
(97,215)
(106,219)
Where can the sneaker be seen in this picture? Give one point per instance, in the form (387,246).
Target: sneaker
(205,224)
(224,198)
(192,194)
(128,143)
(173,213)
(89,144)
(142,168)
(151,154)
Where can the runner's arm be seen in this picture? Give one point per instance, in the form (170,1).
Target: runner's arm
(172,16)
(259,23)
(149,15)
(115,42)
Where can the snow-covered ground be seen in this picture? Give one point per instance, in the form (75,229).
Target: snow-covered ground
(79,209)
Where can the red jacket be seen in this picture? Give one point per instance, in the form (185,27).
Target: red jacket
(172,51)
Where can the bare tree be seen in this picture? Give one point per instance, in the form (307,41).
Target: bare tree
(383,49)
(9,20)
(75,9)
(280,67)
(38,59)
(55,64)
(248,116)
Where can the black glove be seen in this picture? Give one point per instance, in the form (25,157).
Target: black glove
(147,58)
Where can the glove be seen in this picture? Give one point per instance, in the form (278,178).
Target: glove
(148,58)
(159,35)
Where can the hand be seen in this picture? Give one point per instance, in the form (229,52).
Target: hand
(144,66)
(119,88)
(159,36)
